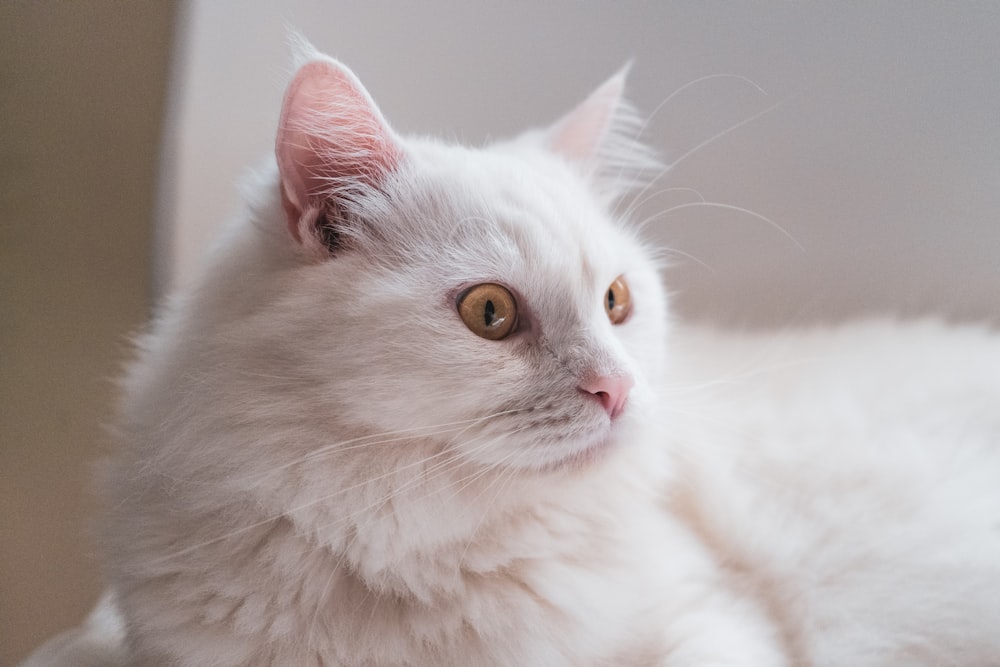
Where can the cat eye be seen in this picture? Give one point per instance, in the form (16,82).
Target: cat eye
(618,301)
(488,310)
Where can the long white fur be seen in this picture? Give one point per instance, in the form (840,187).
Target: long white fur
(321,464)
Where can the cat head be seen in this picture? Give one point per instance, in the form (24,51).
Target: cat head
(401,339)
(486,297)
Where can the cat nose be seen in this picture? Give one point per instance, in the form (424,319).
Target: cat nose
(611,391)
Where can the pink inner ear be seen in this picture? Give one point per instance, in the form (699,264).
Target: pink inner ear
(578,134)
(332,140)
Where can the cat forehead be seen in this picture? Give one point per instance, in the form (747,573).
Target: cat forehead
(505,205)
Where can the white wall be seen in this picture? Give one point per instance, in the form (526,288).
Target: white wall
(881,158)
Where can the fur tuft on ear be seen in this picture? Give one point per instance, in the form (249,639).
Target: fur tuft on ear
(601,136)
(334,149)
(301,49)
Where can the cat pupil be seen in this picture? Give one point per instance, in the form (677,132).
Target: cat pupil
(611,299)
(489,313)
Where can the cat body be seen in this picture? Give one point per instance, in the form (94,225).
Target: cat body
(848,476)
(324,461)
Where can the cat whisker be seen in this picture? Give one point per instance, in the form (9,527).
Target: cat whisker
(644,125)
(439,469)
(472,478)
(359,443)
(662,256)
(501,483)
(338,566)
(689,84)
(370,440)
(630,202)
(343,556)
(730,207)
(323,596)
(732,128)
(749,371)
(436,468)
(642,199)
(326,498)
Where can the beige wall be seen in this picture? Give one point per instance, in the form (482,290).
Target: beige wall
(81,93)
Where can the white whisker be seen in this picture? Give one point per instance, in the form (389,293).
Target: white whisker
(732,128)
(641,200)
(730,207)
(645,123)
(401,435)
(663,255)
(325,498)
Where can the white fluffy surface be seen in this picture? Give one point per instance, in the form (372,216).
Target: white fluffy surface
(321,464)
(848,477)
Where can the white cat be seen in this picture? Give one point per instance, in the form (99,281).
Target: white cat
(423,407)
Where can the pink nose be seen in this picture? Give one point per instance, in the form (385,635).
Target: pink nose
(612,392)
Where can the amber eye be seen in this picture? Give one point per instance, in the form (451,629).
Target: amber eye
(488,310)
(617,301)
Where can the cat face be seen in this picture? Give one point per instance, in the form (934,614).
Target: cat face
(486,298)
(403,356)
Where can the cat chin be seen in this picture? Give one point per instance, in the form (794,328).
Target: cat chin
(589,455)
(579,454)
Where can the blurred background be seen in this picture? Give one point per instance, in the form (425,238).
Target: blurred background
(830,161)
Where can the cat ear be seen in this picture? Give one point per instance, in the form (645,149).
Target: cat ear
(601,136)
(334,149)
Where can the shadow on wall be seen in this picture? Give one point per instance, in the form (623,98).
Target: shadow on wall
(80,115)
